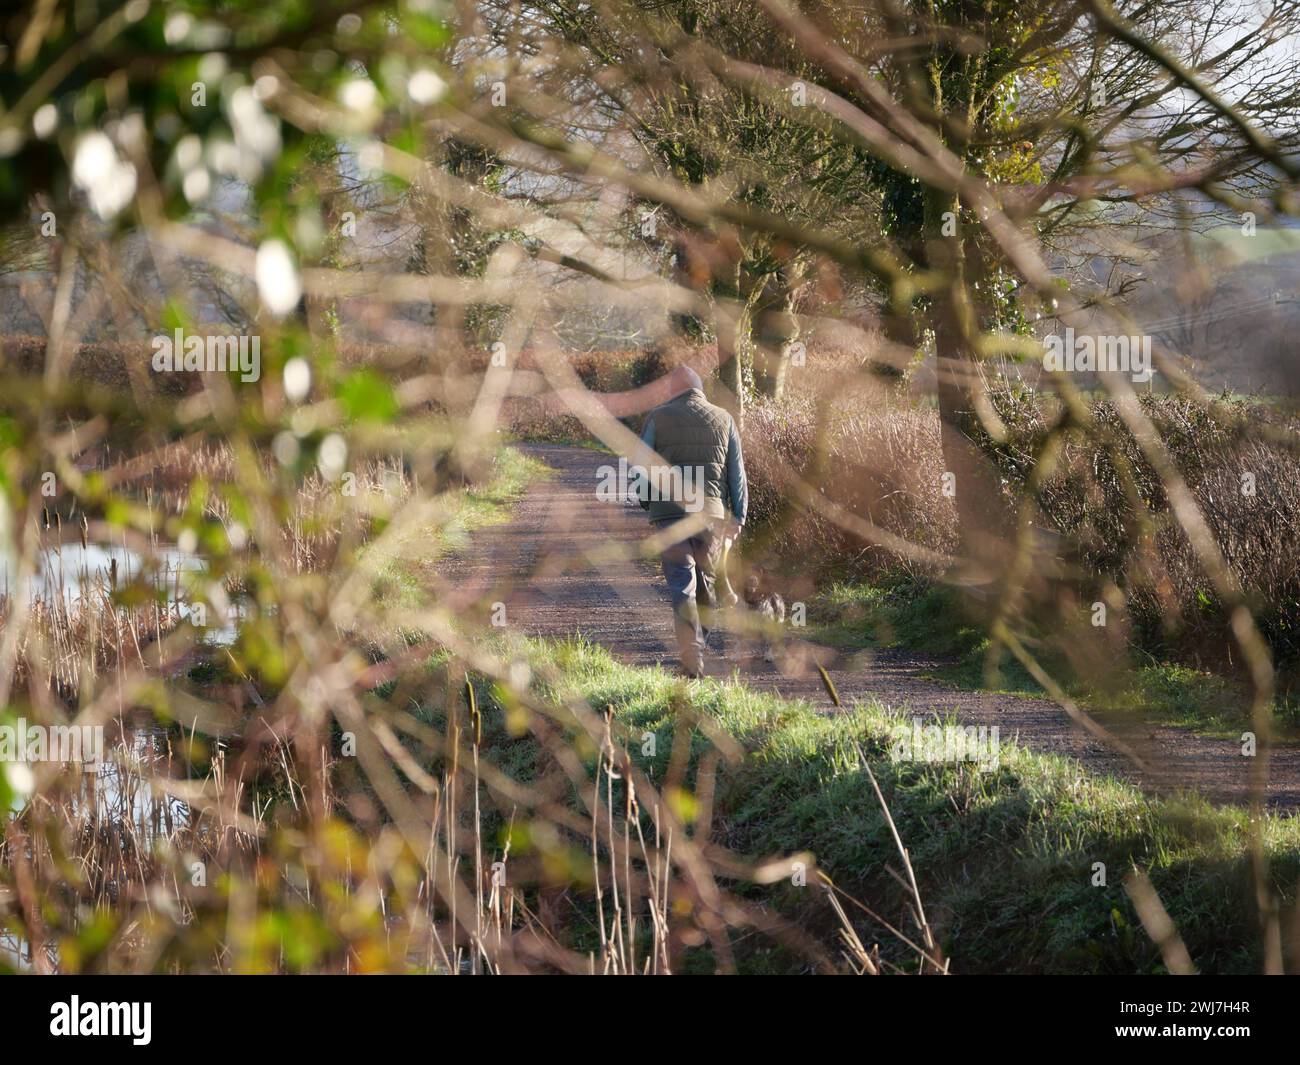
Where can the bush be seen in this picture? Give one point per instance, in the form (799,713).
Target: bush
(885,465)
(1138,544)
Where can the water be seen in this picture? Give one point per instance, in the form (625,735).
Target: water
(16,953)
(117,794)
(70,569)
(71,572)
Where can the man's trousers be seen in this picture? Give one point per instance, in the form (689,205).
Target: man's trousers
(690,568)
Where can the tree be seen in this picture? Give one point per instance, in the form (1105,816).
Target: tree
(693,123)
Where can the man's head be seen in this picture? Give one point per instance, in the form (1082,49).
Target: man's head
(683,379)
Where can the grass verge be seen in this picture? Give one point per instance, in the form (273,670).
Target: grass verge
(400,575)
(1021,865)
(929,619)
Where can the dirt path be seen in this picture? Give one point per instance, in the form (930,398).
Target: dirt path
(565,565)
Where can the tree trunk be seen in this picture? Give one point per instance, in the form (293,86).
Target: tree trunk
(734,343)
(730,372)
(984,522)
(777,333)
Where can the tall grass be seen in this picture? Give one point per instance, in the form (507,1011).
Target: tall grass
(1105,527)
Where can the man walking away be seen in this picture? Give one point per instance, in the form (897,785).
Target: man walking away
(704,474)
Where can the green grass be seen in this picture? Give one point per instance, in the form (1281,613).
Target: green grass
(489,503)
(401,575)
(923,617)
(558,434)
(1005,855)
(930,619)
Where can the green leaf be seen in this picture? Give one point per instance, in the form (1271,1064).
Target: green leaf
(367,396)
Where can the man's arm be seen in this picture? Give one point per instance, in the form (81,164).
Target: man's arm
(737,485)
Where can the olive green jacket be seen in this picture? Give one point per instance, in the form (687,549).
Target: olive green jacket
(706,470)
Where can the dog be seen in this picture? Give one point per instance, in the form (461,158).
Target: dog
(767,603)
